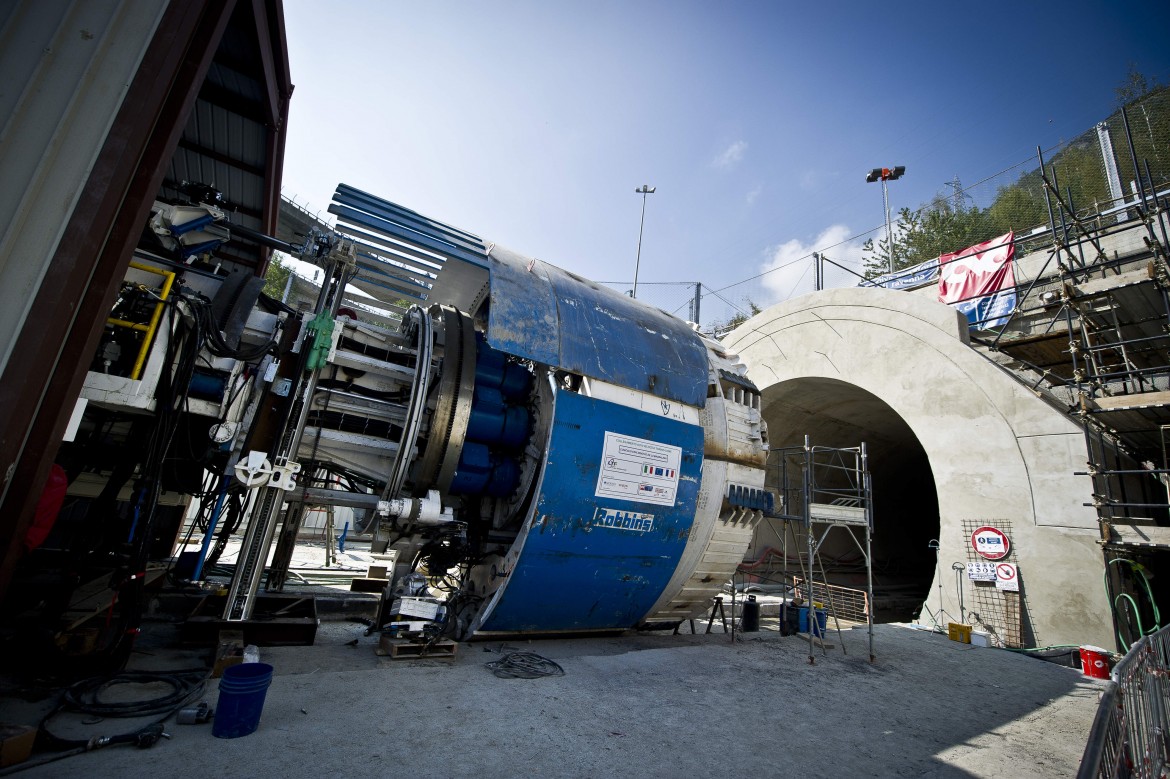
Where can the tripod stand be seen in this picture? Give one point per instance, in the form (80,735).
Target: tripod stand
(936,616)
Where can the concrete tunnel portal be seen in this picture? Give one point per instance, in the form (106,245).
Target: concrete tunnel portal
(836,413)
(954,442)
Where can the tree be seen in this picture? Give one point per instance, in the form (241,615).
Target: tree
(940,227)
(1147,104)
(876,258)
(1017,207)
(941,230)
(1136,86)
(738,319)
(947,224)
(1081,177)
(276,277)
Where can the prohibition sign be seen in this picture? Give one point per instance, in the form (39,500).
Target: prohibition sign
(990,543)
(1007,577)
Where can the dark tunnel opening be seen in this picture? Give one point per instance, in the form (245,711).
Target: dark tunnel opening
(905,502)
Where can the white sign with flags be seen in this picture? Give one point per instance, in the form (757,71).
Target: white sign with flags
(1007,577)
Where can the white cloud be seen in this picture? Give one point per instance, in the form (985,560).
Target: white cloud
(789,267)
(755,193)
(730,156)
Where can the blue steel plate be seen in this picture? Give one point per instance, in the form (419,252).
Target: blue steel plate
(606,335)
(547,314)
(574,572)
(523,315)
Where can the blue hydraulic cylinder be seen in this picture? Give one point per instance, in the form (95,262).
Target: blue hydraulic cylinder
(497,428)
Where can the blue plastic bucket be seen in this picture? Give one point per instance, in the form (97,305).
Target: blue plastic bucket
(241,699)
(818,625)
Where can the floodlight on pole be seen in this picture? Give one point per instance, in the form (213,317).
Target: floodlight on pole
(644,190)
(883,175)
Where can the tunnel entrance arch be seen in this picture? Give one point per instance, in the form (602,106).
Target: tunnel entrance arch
(996,452)
(836,413)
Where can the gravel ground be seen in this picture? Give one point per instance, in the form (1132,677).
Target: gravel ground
(644,705)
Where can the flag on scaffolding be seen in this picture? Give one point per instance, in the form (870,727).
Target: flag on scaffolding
(907,278)
(980,282)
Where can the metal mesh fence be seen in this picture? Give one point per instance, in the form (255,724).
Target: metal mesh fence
(845,603)
(995,610)
(1130,733)
(673,297)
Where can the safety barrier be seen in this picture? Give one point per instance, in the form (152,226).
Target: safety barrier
(1130,736)
(843,602)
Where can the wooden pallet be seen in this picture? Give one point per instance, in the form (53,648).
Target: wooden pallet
(229,652)
(398,649)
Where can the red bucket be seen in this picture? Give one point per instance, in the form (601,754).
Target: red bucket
(1095,662)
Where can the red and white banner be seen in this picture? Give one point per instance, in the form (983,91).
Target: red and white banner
(980,282)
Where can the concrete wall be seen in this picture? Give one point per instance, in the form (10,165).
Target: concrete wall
(996,451)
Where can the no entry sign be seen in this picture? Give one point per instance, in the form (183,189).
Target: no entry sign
(990,543)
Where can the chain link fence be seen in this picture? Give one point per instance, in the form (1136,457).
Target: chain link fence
(673,297)
(1093,176)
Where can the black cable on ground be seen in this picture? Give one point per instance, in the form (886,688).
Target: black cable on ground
(524,665)
(85,697)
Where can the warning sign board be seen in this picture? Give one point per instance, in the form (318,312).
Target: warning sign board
(990,543)
(1007,577)
(981,572)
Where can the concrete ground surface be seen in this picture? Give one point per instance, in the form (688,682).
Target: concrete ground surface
(642,705)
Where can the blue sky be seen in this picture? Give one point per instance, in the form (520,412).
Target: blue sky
(532,123)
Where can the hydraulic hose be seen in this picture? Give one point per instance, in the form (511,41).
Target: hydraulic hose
(1127,601)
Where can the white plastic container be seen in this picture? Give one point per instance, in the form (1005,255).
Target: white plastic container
(980,638)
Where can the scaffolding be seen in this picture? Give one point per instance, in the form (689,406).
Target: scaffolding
(823,489)
(1093,328)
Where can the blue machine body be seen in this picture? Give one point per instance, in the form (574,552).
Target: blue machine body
(605,491)
(543,313)
(591,563)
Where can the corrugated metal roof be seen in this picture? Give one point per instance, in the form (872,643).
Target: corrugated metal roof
(225,143)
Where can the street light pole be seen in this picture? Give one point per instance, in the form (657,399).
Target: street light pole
(889,229)
(644,190)
(887,174)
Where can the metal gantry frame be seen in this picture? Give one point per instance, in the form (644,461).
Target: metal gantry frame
(267,506)
(829,488)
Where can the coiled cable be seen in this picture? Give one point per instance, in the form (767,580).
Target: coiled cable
(524,665)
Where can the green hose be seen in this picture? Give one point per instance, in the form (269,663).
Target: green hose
(1041,648)
(1127,599)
